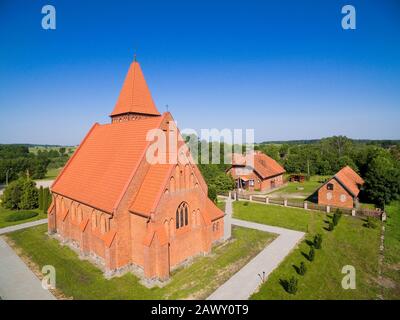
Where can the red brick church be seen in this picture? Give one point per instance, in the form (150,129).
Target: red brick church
(123,212)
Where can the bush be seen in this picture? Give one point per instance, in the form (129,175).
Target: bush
(336,217)
(20,215)
(302,269)
(370,223)
(331,226)
(318,241)
(41,198)
(292,285)
(311,254)
(21,194)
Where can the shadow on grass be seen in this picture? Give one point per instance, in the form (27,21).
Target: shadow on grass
(284,283)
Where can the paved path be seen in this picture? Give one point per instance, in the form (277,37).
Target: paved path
(247,280)
(22,226)
(17,281)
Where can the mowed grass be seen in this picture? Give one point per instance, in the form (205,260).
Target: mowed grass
(82,280)
(52,173)
(4,213)
(291,218)
(299,190)
(391,265)
(349,244)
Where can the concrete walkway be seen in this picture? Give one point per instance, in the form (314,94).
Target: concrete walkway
(17,281)
(247,280)
(22,226)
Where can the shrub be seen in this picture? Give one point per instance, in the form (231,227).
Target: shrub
(21,194)
(41,198)
(311,254)
(370,223)
(331,226)
(302,269)
(292,285)
(317,241)
(20,215)
(336,217)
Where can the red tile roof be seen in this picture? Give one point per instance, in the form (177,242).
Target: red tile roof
(350,180)
(151,189)
(263,165)
(100,169)
(135,95)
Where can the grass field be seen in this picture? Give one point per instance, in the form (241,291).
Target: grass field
(299,190)
(391,265)
(81,280)
(52,174)
(349,244)
(4,213)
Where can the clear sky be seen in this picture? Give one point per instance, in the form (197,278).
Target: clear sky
(287,69)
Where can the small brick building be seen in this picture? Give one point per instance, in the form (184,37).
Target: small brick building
(341,190)
(256,172)
(123,212)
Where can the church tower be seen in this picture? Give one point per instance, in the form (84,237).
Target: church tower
(134,101)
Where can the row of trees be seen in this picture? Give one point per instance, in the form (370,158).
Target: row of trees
(17,160)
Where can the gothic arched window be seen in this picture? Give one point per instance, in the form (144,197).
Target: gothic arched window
(182,215)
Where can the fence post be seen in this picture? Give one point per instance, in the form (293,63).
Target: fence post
(285,202)
(328,209)
(353,212)
(305,205)
(383,216)
(266,200)
(250,198)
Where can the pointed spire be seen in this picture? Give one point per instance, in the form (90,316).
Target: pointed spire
(135,96)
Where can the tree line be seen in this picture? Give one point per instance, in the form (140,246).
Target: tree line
(17,160)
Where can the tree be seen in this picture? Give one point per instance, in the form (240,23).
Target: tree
(212,193)
(311,254)
(12,195)
(21,194)
(302,269)
(382,180)
(41,198)
(62,151)
(30,195)
(317,243)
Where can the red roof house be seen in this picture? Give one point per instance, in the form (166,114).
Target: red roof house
(256,171)
(341,190)
(124,212)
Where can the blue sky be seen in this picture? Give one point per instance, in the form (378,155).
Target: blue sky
(286,69)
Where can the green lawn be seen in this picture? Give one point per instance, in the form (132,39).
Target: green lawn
(52,173)
(81,280)
(391,266)
(4,213)
(299,190)
(291,218)
(349,244)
